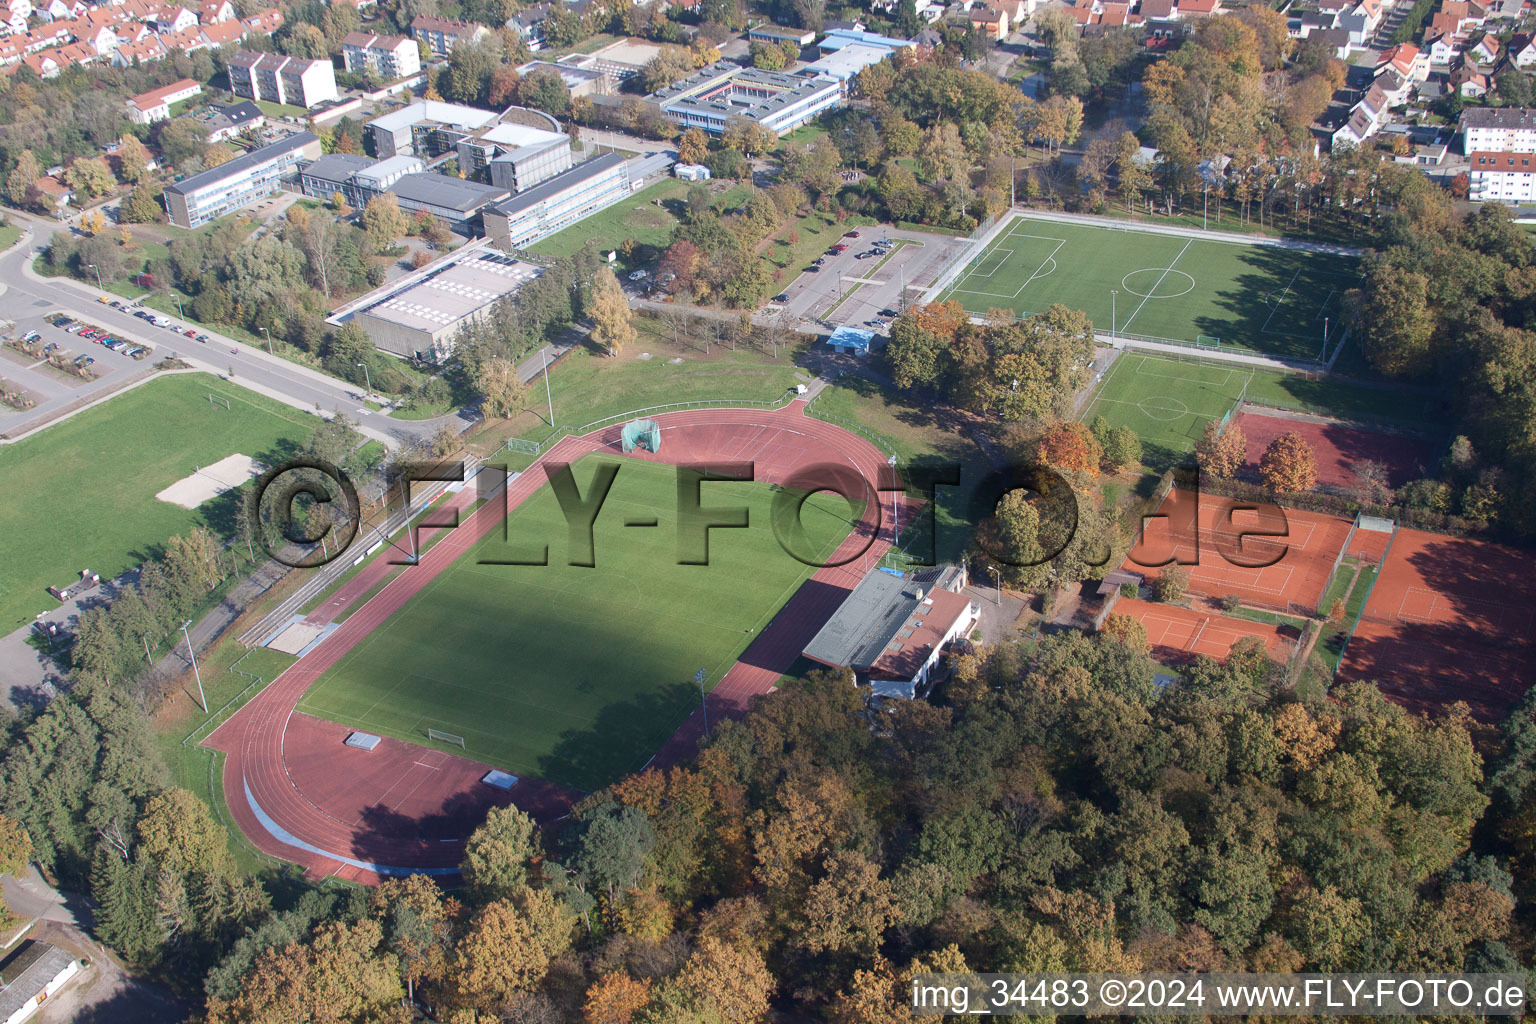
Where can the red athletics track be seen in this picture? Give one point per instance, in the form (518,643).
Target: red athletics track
(286,776)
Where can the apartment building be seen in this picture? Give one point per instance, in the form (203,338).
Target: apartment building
(442,34)
(196,200)
(387,57)
(277,79)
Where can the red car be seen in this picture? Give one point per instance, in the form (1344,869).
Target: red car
(189,332)
(839,247)
(852,234)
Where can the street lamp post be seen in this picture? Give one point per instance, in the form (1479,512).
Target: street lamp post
(192,655)
(1112,294)
(269,341)
(895,509)
(177,297)
(548,394)
(999,577)
(98,276)
(367,377)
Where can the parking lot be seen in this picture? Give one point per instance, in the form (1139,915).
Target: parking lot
(853,287)
(114,357)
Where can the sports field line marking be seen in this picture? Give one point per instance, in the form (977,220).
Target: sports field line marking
(1155,285)
(1278,303)
(1229,371)
(960,285)
(996,252)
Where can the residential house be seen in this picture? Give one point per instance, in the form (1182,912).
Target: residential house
(529,23)
(32,977)
(1441,46)
(1199,8)
(172,19)
(13,18)
(1485,50)
(1522,50)
(1468,79)
(1394,87)
(265,22)
(142,52)
(1501,177)
(155,105)
(990,22)
(214,12)
(1165,9)
(224,33)
(1407,60)
(60,10)
(442,34)
(227,120)
(1498,130)
(55,194)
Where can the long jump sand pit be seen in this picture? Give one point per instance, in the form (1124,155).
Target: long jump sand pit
(211,481)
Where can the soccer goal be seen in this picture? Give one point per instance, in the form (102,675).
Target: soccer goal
(445,737)
(214,399)
(1207,341)
(641,434)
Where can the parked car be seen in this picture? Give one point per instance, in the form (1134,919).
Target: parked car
(851,234)
(31,336)
(203,338)
(137,351)
(888,312)
(818,261)
(813,269)
(839,247)
(50,347)
(189,332)
(781,297)
(84,361)
(118,345)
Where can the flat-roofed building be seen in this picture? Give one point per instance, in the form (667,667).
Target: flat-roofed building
(581,81)
(425,128)
(200,198)
(516,156)
(278,79)
(892,629)
(332,174)
(388,57)
(558,202)
(454,200)
(421,315)
(711,98)
(777,35)
(845,64)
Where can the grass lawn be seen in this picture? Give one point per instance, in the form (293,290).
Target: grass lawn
(1168,401)
(576,675)
(921,434)
(638,216)
(590,387)
(8,235)
(84,490)
(282,110)
(1252,297)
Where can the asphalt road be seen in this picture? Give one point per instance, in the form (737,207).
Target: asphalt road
(28,298)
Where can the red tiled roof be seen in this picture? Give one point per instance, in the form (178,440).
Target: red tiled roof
(1519,162)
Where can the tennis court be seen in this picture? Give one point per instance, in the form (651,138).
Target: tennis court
(1218,541)
(1193,290)
(1449,619)
(1174,631)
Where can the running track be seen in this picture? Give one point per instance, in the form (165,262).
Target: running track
(280,800)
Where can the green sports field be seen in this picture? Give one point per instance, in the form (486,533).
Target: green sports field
(1167,401)
(577,675)
(81,494)
(1254,297)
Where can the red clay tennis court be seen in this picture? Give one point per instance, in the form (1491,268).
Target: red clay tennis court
(1177,634)
(1287,571)
(1338,448)
(1449,619)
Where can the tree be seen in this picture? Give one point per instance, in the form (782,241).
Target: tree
(611,324)
(23,177)
(615,998)
(90,177)
(1222,452)
(132,159)
(498,957)
(180,834)
(1122,448)
(503,391)
(849,910)
(217,153)
(545,90)
(341,974)
(719,982)
(183,140)
(1171,584)
(383,222)
(1396,320)
(693,146)
(15,846)
(1127,630)
(417,926)
(142,205)
(1070,445)
(1288,464)
(497,854)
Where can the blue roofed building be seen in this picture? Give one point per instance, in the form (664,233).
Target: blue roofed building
(852,341)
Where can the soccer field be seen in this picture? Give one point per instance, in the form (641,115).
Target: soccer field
(577,675)
(81,494)
(1166,401)
(1256,297)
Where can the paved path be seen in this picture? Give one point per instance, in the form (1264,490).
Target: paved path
(276,816)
